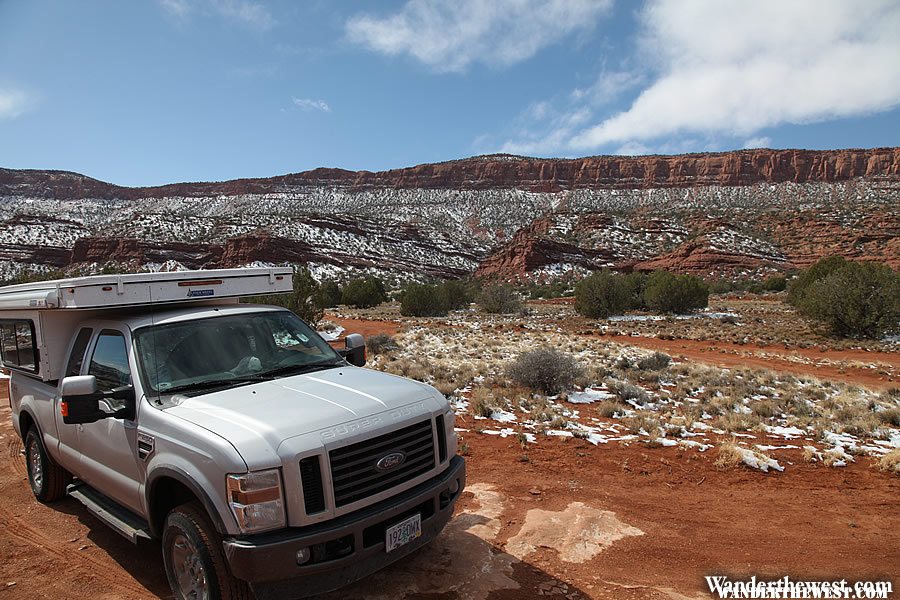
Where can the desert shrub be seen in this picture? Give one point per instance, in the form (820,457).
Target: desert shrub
(655,362)
(552,290)
(721,286)
(420,300)
(671,293)
(775,283)
(499,300)
(302,301)
(546,369)
(454,295)
(381,343)
(635,283)
(602,294)
(820,270)
(363,293)
(329,294)
(852,299)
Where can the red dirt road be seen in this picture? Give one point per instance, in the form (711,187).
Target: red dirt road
(837,365)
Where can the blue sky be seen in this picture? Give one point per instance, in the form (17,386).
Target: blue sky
(156,91)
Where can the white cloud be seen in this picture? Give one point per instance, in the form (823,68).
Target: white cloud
(633,149)
(730,67)
(309,104)
(449,36)
(14,102)
(248,13)
(758,142)
(176,8)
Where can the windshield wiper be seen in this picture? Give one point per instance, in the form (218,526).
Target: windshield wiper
(254,378)
(211,383)
(296,370)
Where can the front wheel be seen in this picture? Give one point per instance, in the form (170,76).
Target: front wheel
(48,480)
(194,561)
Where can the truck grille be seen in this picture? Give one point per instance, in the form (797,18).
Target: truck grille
(311,478)
(353,468)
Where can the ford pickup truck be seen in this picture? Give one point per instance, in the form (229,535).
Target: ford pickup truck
(264,461)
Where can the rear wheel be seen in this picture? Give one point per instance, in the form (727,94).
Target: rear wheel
(48,480)
(195,563)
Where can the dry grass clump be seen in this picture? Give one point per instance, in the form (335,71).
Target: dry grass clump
(729,455)
(407,368)
(764,409)
(627,391)
(483,403)
(445,387)
(833,456)
(734,421)
(850,415)
(811,454)
(889,416)
(890,462)
(642,421)
(655,362)
(380,343)
(610,408)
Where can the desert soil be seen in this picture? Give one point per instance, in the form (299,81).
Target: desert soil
(560,519)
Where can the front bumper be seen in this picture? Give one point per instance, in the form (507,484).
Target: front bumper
(344,549)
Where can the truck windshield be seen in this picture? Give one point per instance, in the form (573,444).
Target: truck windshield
(203,354)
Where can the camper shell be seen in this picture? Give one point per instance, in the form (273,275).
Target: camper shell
(37,320)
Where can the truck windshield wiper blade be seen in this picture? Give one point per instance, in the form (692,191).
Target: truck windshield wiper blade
(295,370)
(211,383)
(254,378)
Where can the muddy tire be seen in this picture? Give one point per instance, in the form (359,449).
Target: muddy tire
(194,560)
(47,479)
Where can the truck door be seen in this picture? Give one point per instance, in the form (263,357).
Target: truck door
(68,434)
(109,447)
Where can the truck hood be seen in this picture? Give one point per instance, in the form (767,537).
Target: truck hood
(257,418)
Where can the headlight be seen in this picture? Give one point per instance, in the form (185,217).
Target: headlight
(256,500)
(450,424)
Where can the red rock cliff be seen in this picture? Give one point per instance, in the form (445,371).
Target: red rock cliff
(744,167)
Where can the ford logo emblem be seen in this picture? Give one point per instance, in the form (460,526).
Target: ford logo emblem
(390,461)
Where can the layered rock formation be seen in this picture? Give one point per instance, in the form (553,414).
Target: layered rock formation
(718,215)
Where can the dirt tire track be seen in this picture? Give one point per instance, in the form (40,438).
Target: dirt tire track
(14,447)
(65,559)
(19,529)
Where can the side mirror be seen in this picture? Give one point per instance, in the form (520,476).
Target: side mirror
(355,350)
(81,401)
(79,385)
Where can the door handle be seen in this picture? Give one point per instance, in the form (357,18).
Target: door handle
(80,427)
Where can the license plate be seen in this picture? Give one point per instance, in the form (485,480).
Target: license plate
(403,532)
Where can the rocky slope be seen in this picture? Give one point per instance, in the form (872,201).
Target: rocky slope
(718,215)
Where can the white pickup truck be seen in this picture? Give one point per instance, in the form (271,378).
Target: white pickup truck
(266,462)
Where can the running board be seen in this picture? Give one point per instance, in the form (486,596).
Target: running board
(122,521)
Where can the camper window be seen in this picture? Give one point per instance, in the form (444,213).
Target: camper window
(18,345)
